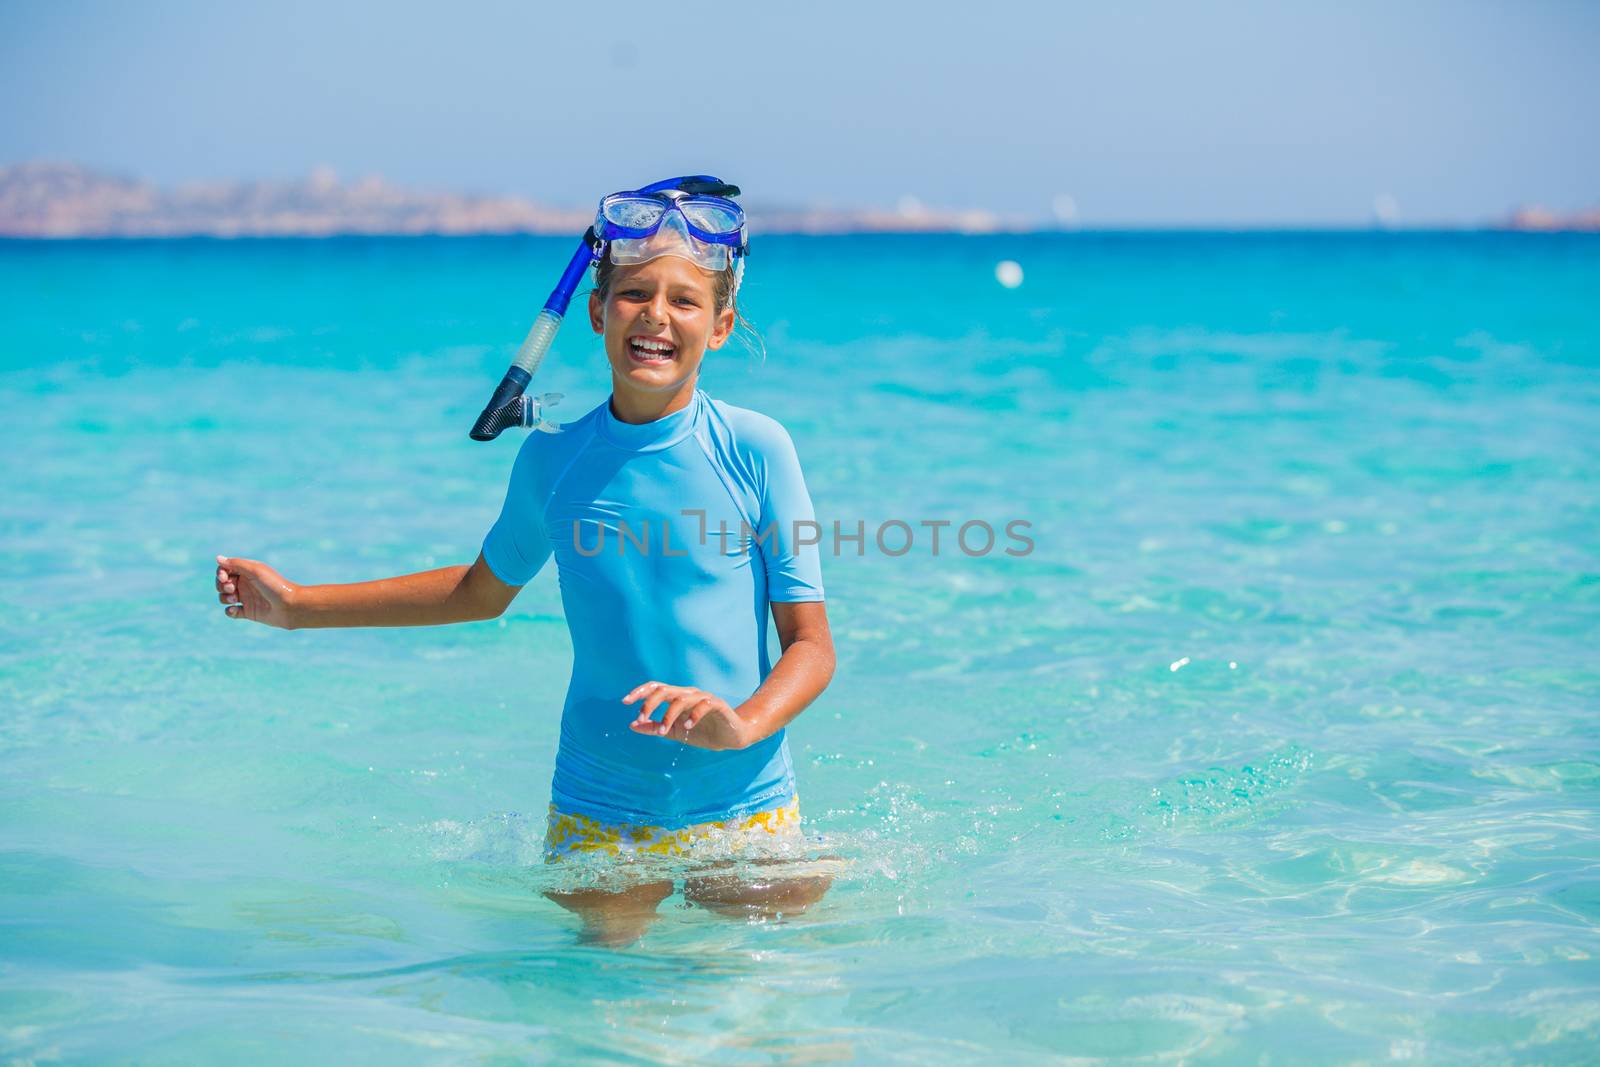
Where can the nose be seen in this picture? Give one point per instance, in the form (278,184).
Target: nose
(657,309)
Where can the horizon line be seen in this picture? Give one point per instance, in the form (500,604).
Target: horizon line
(63,200)
(1107,229)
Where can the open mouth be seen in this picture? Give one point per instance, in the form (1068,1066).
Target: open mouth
(650,350)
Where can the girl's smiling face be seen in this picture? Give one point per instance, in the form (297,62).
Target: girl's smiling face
(658,318)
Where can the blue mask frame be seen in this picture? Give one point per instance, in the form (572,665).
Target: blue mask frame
(672,194)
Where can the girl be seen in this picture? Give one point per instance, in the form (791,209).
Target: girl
(676,523)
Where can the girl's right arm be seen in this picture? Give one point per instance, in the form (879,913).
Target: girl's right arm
(252,590)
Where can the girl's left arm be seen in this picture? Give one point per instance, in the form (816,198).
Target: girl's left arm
(801,673)
(705,720)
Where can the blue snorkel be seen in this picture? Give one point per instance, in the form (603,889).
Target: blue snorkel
(509,406)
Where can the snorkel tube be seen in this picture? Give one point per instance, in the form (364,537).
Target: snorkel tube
(508,406)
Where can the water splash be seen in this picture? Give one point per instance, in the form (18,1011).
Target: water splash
(1225,797)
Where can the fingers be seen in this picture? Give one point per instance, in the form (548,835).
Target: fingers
(228,593)
(695,713)
(230,587)
(227,582)
(670,713)
(654,698)
(638,691)
(684,706)
(232,569)
(679,706)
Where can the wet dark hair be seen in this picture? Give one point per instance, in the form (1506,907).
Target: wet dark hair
(722,295)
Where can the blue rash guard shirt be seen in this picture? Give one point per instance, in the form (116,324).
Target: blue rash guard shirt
(670,539)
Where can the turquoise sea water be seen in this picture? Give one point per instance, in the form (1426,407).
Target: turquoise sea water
(1280,746)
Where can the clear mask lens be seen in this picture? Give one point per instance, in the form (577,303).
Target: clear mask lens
(635,214)
(712,218)
(672,239)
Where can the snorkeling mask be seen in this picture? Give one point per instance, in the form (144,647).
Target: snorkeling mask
(708,230)
(692,217)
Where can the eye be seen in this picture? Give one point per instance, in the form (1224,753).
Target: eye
(634,294)
(688,301)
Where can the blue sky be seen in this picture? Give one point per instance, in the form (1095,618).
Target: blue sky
(1141,113)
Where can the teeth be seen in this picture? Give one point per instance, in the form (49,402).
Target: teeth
(653,346)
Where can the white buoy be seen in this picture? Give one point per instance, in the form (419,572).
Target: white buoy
(1008,272)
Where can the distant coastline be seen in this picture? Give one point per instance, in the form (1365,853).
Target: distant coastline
(65,201)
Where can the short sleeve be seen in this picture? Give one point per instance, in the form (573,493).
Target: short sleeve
(788,533)
(517,546)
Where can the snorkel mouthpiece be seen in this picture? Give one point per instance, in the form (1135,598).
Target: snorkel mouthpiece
(510,406)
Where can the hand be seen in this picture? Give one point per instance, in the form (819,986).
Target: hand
(252,590)
(692,716)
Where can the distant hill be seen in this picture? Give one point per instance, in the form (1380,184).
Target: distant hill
(63,200)
(1538,219)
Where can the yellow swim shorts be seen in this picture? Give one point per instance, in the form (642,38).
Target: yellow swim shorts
(566,833)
